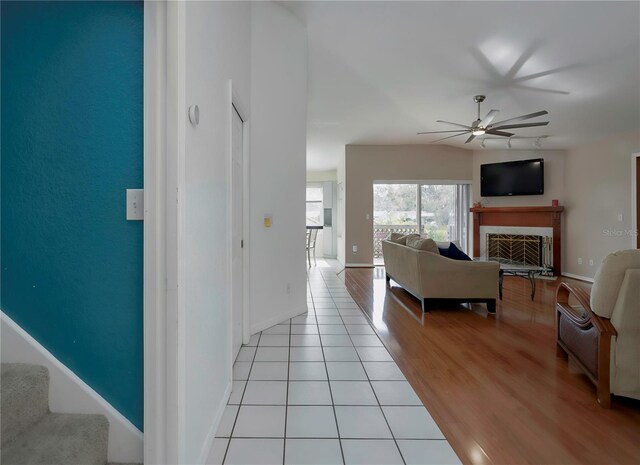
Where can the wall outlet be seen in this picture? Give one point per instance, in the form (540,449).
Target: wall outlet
(368,216)
(620,217)
(591,262)
(354,249)
(579,260)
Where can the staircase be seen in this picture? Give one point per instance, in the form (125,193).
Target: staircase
(31,434)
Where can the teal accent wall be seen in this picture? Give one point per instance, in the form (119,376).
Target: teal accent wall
(72,143)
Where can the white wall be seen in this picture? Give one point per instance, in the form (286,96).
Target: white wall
(278,164)
(368,163)
(217,48)
(598,189)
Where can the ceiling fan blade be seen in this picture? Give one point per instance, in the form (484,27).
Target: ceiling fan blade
(520,118)
(449,137)
(487,119)
(442,132)
(522,125)
(499,133)
(455,124)
(471,137)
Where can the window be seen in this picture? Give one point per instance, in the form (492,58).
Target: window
(438,211)
(315,212)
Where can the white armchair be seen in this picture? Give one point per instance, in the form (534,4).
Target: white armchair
(602,332)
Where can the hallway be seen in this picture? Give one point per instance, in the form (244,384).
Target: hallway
(321,388)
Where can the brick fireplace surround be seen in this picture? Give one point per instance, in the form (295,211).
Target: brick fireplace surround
(545,217)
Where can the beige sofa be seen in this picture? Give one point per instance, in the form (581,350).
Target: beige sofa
(435,279)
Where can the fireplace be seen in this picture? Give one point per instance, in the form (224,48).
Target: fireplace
(531,249)
(545,222)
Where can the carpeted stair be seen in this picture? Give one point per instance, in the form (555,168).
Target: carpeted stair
(31,434)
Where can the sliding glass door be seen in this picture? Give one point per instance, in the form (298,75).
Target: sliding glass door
(438,211)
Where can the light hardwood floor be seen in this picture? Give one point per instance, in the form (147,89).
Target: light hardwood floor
(493,383)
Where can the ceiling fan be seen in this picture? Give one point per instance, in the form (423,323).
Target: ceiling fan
(485,126)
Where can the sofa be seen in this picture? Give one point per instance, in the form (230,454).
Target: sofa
(423,272)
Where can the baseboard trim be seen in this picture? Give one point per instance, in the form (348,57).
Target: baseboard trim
(69,394)
(578,277)
(211,435)
(359,265)
(261,326)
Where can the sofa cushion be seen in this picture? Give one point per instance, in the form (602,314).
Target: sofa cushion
(428,245)
(400,238)
(453,252)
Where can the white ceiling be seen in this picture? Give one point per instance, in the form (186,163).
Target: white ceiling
(379,72)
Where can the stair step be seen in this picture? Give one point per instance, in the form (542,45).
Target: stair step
(24,398)
(61,439)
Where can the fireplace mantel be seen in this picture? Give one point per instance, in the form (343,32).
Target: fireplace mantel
(521,216)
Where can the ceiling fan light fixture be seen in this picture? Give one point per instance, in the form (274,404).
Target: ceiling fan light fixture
(478,132)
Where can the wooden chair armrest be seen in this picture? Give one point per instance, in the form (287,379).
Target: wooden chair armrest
(603,325)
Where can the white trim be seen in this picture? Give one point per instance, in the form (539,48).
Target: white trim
(69,394)
(246,221)
(208,444)
(155,289)
(236,100)
(634,196)
(577,276)
(359,265)
(172,437)
(277,320)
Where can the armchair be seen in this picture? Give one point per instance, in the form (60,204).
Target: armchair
(601,332)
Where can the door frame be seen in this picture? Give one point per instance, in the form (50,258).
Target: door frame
(634,199)
(164,141)
(237,101)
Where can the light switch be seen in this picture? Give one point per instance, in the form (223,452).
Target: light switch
(135,204)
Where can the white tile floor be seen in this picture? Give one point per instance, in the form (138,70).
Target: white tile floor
(322,389)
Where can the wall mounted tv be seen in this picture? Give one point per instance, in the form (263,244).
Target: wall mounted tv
(522,177)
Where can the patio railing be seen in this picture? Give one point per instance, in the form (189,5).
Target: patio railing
(382,232)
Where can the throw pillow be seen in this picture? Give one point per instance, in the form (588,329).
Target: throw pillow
(398,238)
(453,252)
(428,245)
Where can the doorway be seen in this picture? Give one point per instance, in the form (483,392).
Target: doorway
(237,226)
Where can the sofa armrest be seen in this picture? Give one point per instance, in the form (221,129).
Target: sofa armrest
(586,337)
(581,319)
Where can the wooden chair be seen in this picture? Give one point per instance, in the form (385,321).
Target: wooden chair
(601,332)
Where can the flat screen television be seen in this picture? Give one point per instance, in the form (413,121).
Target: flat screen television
(522,177)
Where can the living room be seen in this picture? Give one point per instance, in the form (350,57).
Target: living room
(491,382)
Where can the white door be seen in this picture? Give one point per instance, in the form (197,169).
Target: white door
(237,178)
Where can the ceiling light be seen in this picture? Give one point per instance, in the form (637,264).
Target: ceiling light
(478,132)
